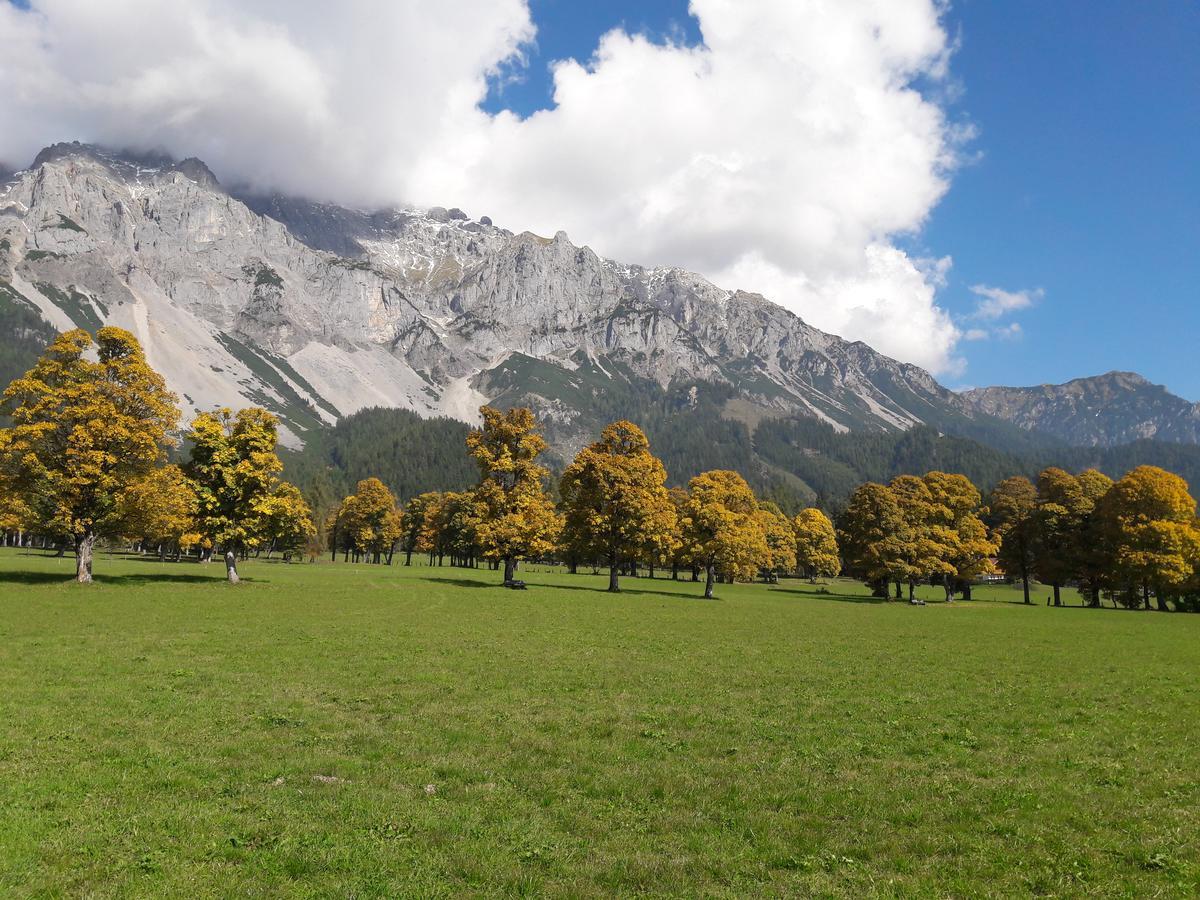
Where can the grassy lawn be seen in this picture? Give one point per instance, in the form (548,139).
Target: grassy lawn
(370,731)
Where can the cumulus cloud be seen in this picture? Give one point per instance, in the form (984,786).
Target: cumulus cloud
(786,154)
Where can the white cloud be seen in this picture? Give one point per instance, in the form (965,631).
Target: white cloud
(785,155)
(997,302)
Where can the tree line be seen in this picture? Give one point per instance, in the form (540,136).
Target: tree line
(87,457)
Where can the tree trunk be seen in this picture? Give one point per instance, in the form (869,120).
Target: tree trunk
(695,573)
(83,557)
(510,568)
(674,571)
(231,567)
(1057,595)
(710,572)
(899,594)
(408,556)
(1025,585)
(1146,594)
(614,585)
(572,567)
(948,587)
(966,590)
(1161,601)
(912,591)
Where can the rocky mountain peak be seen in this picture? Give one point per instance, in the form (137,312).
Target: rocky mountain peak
(316,310)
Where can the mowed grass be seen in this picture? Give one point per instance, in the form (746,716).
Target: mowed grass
(343,730)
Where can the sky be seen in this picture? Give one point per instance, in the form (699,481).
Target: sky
(1004,193)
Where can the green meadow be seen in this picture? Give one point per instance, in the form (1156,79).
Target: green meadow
(371,731)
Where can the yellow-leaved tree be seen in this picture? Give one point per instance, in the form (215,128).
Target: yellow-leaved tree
(959,531)
(722,528)
(160,509)
(816,544)
(1013,514)
(234,467)
(369,521)
(516,520)
(83,432)
(873,537)
(287,520)
(1150,518)
(781,540)
(615,502)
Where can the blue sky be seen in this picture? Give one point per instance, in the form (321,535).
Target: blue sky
(1084,181)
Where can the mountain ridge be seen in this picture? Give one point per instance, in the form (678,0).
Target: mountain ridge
(1117,407)
(435,312)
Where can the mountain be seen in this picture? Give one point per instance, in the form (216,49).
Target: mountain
(316,311)
(1104,410)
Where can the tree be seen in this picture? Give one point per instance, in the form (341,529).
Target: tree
(233,465)
(682,552)
(816,544)
(82,433)
(161,508)
(413,520)
(1061,506)
(1093,555)
(722,527)
(1151,521)
(1012,510)
(958,529)
(369,521)
(781,540)
(615,501)
(873,535)
(516,518)
(926,545)
(287,519)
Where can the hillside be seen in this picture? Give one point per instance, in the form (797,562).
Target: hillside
(1104,410)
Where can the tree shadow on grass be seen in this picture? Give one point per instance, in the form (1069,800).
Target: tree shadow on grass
(626,589)
(40,578)
(837,598)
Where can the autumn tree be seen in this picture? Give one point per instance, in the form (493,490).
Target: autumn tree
(1092,553)
(722,527)
(1151,519)
(160,508)
(369,521)
(412,521)
(958,531)
(816,544)
(615,501)
(1013,513)
(234,467)
(516,518)
(926,546)
(1061,506)
(683,554)
(287,519)
(872,535)
(82,433)
(781,540)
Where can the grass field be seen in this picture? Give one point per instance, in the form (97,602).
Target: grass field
(367,731)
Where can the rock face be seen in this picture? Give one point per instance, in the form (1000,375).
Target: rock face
(316,311)
(1101,411)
